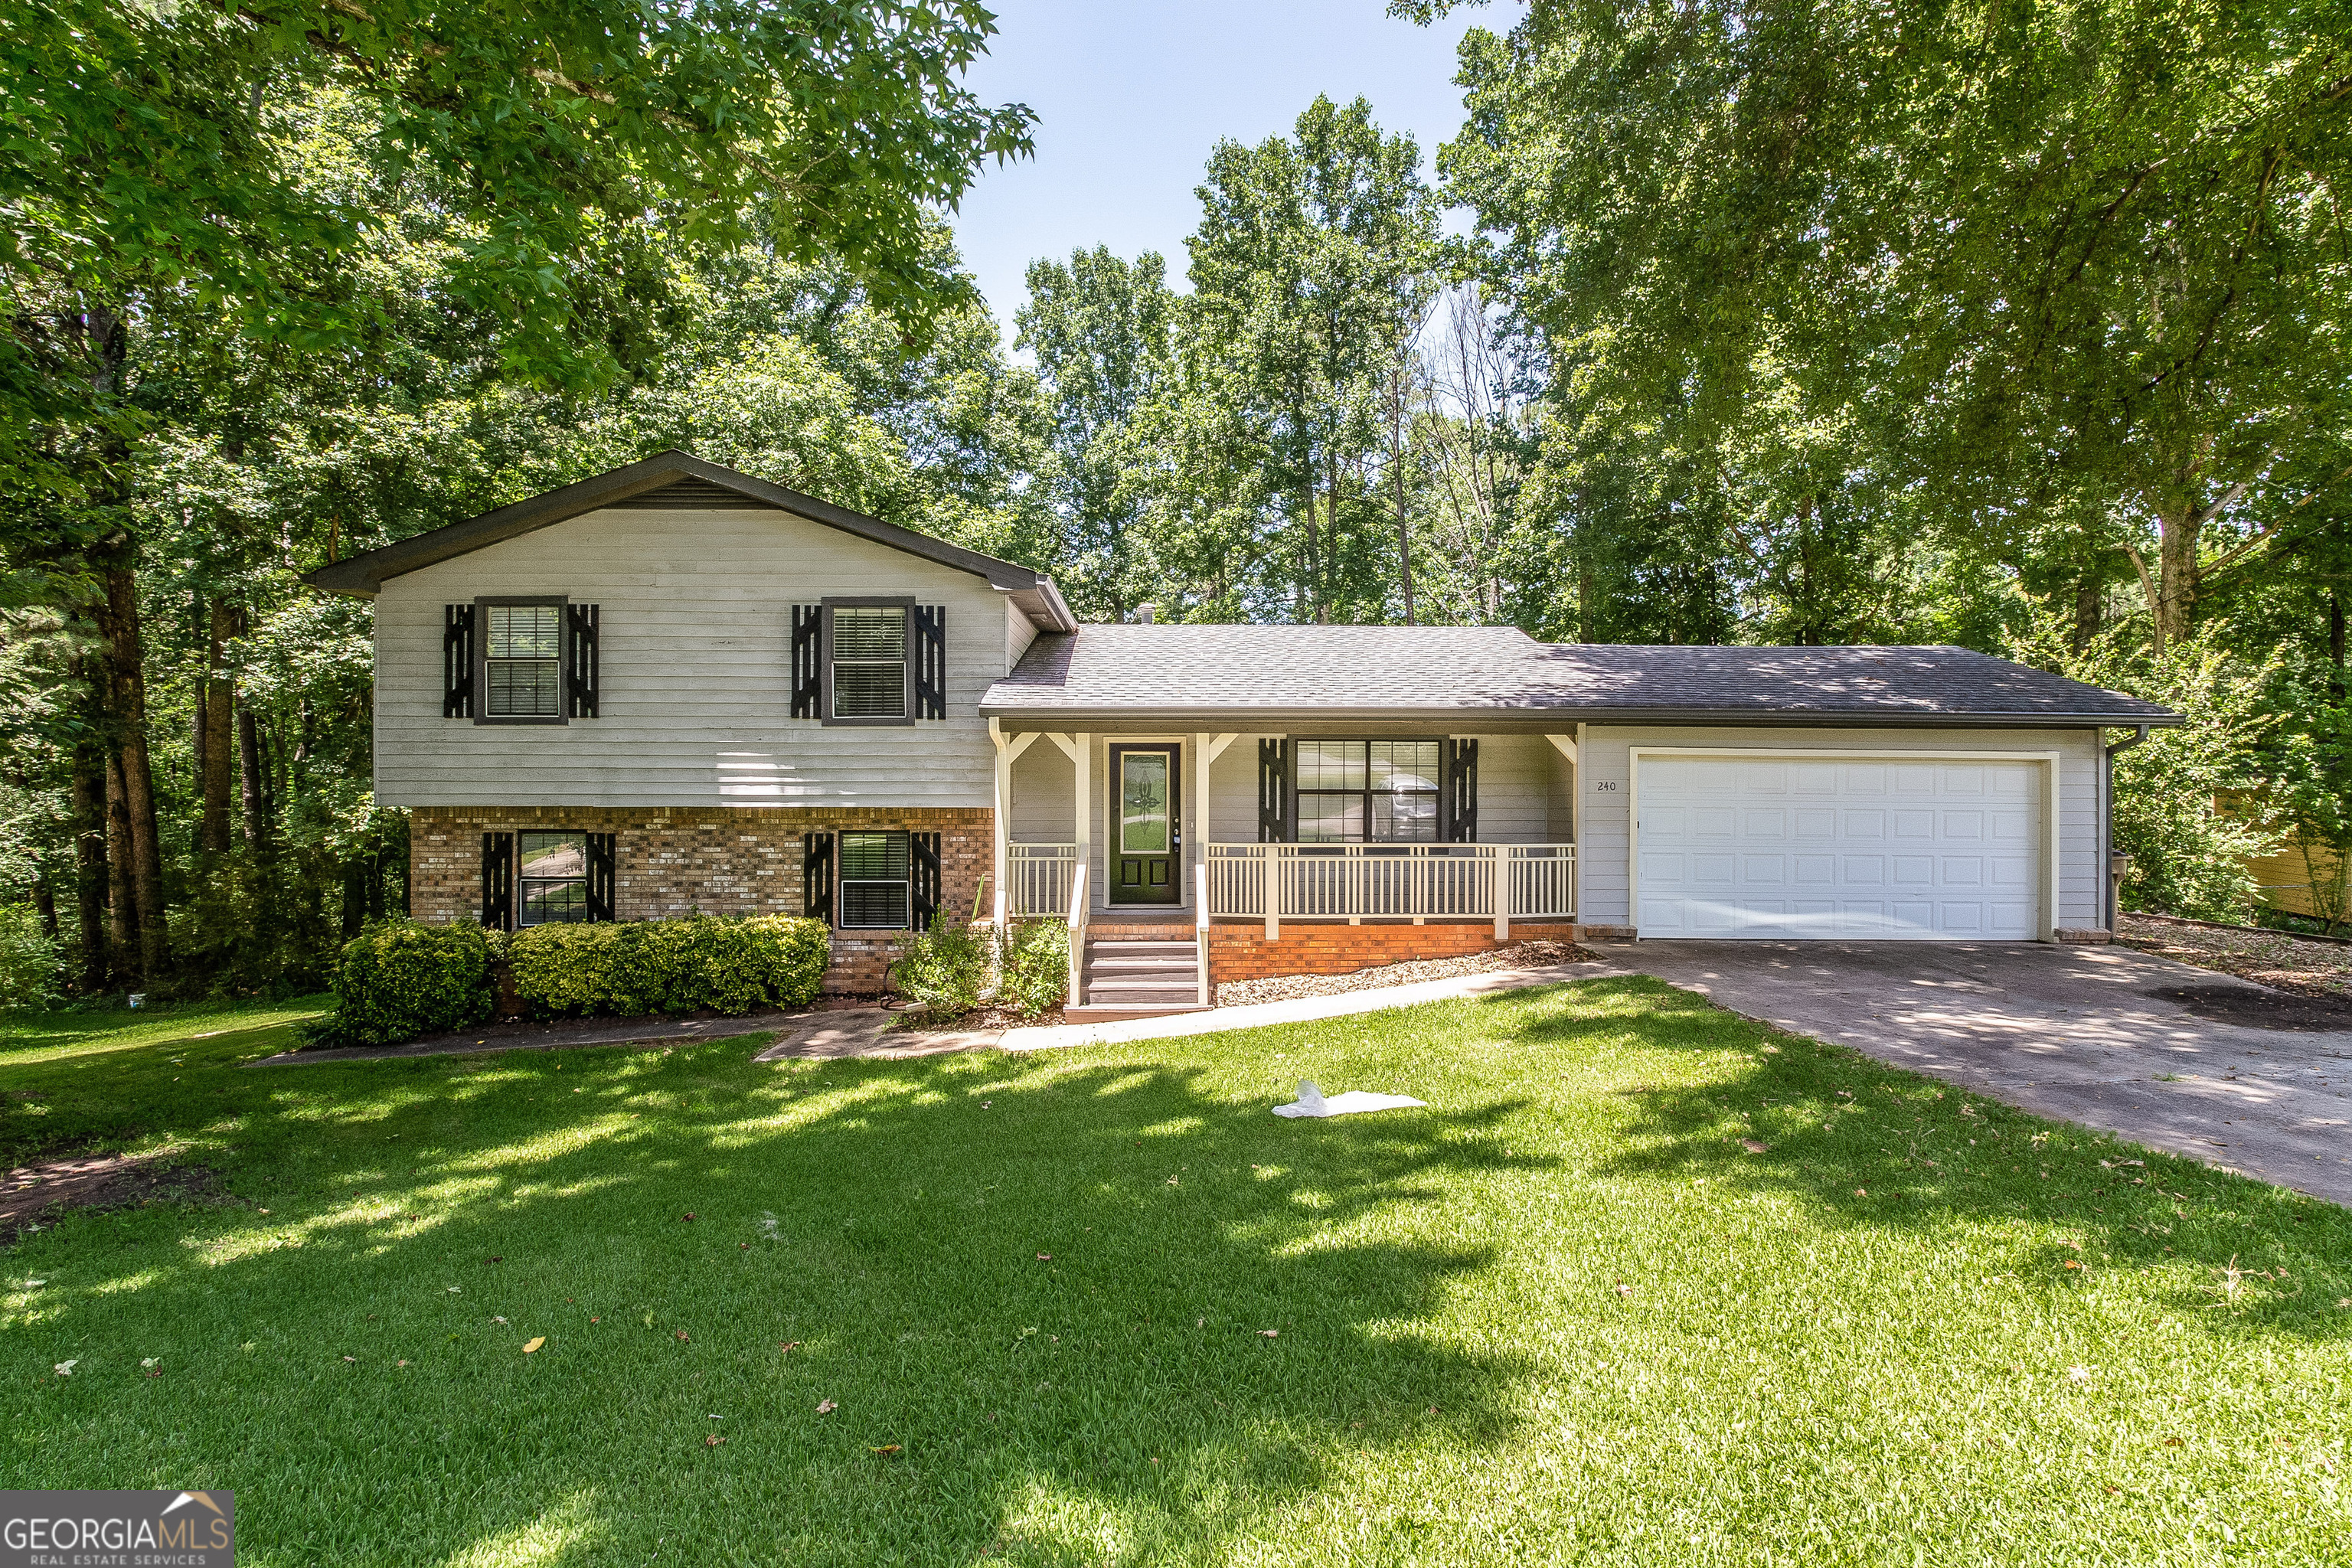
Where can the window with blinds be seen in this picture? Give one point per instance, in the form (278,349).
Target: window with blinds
(522,663)
(1368,792)
(877,873)
(869,661)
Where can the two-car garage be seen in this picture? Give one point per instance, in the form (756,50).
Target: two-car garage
(1748,844)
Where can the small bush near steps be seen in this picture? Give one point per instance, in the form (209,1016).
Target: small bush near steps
(952,969)
(400,979)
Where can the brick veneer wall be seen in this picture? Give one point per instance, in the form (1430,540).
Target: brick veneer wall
(1239,951)
(718,861)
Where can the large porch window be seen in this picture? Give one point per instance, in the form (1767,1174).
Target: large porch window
(1368,792)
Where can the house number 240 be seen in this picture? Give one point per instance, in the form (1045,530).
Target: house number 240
(1605,787)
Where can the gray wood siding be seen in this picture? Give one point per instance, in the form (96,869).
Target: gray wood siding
(1607,773)
(696,625)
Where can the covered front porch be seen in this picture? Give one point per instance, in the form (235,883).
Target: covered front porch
(1162,834)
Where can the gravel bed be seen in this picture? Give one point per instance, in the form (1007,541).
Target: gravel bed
(2273,958)
(1290,987)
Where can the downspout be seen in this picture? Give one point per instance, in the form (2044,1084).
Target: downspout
(2107,824)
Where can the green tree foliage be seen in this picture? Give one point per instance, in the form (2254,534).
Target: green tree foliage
(289,285)
(1102,331)
(1313,264)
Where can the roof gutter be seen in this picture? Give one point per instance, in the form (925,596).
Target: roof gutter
(1458,715)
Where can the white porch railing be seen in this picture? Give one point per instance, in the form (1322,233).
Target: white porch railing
(1501,882)
(1037,879)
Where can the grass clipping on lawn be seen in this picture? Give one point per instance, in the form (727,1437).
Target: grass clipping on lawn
(1645,1282)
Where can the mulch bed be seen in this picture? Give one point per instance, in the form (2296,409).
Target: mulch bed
(1290,987)
(2261,1009)
(32,1195)
(2321,971)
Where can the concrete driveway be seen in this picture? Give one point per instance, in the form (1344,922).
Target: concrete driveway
(2182,1060)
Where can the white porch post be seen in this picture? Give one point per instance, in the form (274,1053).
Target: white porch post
(1007,753)
(1003,810)
(1206,749)
(1571,748)
(1082,755)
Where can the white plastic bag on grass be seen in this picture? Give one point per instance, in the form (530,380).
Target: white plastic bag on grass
(1312,1103)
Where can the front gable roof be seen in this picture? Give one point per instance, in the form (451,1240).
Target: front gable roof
(678,480)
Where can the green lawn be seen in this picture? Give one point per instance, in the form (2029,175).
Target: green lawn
(1562,1315)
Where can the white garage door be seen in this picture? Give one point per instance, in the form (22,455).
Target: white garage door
(1848,850)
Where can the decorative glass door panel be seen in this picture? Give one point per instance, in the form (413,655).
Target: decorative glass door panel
(1147,848)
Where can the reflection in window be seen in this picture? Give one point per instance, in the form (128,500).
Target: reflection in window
(875,889)
(869,662)
(526,645)
(554,874)
(1143,803)
(1368,792)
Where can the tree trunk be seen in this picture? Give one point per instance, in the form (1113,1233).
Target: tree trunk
(45,901)
(121,899)
(219,693)
(2177,584)
(1396,474)
(2335,641)
(88,764)
(2090,612)
(253,790)
(125,661)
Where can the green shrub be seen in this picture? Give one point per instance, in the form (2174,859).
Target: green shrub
(949,967)
(1036,975)
(31,970)
(703,962)
(399,979)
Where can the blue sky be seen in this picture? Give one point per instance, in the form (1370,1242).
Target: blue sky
(1131,94)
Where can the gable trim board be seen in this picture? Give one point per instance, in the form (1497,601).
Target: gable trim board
(1913,915)
(692,485)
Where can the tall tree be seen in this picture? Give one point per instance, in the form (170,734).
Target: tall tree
(2070,267)
(1101,330)
(150,166)
(1313,263)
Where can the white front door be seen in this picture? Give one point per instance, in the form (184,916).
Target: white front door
(1839,848)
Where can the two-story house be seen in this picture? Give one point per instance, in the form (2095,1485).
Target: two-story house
(675,687)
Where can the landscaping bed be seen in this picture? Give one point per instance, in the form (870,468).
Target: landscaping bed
(2315,969)
(1290,987)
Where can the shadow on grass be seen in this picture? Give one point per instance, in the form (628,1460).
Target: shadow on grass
(1876,1146)
(1056,1304)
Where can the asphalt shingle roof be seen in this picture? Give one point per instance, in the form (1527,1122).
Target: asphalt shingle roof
(1209,672)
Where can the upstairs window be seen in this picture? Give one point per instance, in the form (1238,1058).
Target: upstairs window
(523,661)
(869,661)
(1369,792)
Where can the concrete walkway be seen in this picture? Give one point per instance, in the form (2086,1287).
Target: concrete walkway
(1261,1015)
(2087,1035)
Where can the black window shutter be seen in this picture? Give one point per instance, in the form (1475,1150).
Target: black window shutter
(930,661)
(924,865)
(816,876)
(601,852)
(808,661)
(1461,795)
(580,639)
(457,661)
(497,880)
(1274,792)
